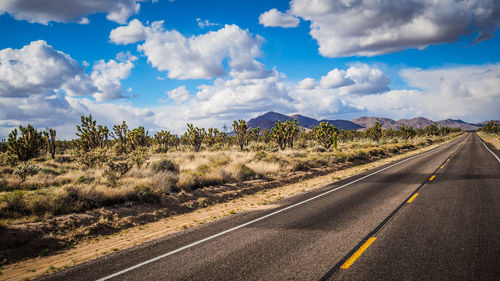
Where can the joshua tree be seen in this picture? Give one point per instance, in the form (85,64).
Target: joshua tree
(279,134)
(326,134)
(50,138)
(138,137)
(28,145)
(91,136)
(164,140)
(375,132)
(291,131)
(240,128)
(195,136)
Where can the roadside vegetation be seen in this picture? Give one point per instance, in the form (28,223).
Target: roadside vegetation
(41,177)
(491,133)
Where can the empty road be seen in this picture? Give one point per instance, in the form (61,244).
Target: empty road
(434,216)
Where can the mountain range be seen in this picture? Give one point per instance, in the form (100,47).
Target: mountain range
(267,121)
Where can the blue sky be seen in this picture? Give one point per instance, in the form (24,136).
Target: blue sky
(210,62)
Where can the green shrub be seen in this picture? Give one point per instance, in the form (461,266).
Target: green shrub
(139,156)
(93,158)
(164,165)
(245,173)
(25,170)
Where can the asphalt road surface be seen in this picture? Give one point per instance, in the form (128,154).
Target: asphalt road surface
(434,216)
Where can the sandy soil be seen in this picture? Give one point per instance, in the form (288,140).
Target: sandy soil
(93,248)
(490,138)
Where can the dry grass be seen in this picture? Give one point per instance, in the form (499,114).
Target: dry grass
(494,139)
(63,186)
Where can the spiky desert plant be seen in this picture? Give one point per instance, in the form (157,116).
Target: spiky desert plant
(195,136)
(375,132)
(138,137)
(50,139)
(91,135)
(279,134)
(291,131)
(25,170)
(213,136)
(28,145)
(326,134)
(164,139)
(265,136)
(120,135)
(240,128)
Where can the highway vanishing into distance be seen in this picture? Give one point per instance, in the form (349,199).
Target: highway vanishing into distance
(433,216)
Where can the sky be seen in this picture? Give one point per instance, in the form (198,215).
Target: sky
(162,63)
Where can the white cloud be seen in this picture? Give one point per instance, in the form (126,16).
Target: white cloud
(45,12)
(39,69)
(307,84)
(335,79)
(34,69)
(197,57)
(471,93)
(371,27)
(128,34)
(276,18)
(359,79)
(179,95)
(107,77)
(205,23)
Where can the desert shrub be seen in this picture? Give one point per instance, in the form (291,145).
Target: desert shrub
(140,156)
(220,159)
(48,171)
(340,157)
(14,202)
(257,146)
(116,170)
(164,165)
(301,165)
(318,149)
(202,169)
(164,182)
(85,180)
(6,170)
(272,147)
(64,159)
(3,183)
(25,170)
(93,158)
(261,155)
(7,158)
(244,173)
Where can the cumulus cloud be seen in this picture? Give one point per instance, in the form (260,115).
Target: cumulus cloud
(107,77)
(306,84)
(369,27)
(25,71)
(276,18)
(134,32)
(330,96)
(179,95)
(39,69)
(197,57)
(44,12)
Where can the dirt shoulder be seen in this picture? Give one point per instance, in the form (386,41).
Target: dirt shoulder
(153,224)
(493,139)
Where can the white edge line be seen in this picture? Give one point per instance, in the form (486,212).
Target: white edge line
(489,149)
(258,219)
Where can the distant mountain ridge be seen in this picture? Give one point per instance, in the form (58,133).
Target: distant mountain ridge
(266,121)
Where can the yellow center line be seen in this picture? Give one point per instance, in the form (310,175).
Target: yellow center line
(431,178)
(358,253)
(412,198)
(448,160)
(442,166)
